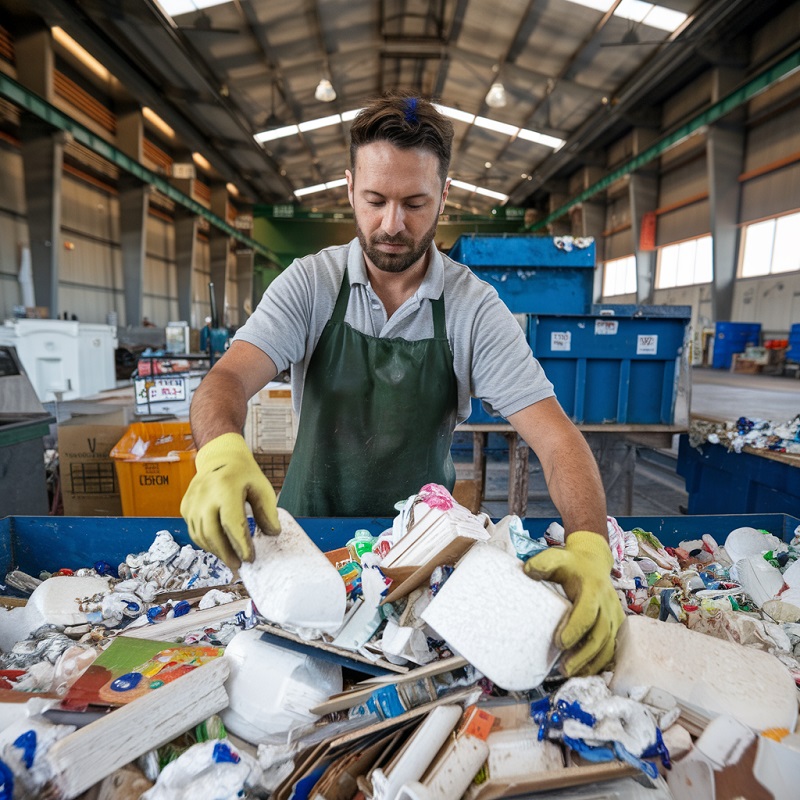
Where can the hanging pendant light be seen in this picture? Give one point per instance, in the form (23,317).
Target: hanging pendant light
(325,92)
(496,96)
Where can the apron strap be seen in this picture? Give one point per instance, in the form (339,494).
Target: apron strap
(343,298)
(439,328)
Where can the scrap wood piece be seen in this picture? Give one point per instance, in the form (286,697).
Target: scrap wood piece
(554,779)
(178,627)
(323,650)
(89,755)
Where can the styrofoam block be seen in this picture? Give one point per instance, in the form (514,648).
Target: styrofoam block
(58,598)
(704,673)
(292,582)
(500,620)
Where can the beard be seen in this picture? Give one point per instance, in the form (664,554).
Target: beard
(395,262)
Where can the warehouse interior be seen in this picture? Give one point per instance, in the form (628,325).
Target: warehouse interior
(625,174)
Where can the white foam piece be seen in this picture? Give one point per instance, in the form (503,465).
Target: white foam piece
(791,576)
(503,622)
(17,624)
(58,598)
(746,541)
(758,578)
(705,674)
(292,582)
(518,752)
(271,689)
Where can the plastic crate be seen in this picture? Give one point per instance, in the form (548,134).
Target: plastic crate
(733,337)
(154,463)
(718,481)
(34,544)
(531,273)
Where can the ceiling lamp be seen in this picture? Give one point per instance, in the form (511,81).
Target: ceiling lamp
(496,96)
(325,92)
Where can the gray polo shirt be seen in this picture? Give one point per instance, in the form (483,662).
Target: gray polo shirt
(491,357)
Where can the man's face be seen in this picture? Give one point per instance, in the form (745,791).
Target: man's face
(397,197)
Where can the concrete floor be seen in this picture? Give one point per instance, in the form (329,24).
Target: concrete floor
(657,488)
(729,395)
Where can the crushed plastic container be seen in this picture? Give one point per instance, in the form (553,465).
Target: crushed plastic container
(154,463)
(271,689)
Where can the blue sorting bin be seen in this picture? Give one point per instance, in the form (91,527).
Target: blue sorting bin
(33,544)
(793,353)
(740,483)
(532,274)
(620,367)
(733,337)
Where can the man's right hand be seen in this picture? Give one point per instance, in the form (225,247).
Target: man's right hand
(213,506)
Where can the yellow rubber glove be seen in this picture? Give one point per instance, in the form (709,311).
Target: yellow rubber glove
(213,506)
(583,568)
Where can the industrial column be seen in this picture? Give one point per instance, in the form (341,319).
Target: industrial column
(43,159)
(134,198)
(725,144)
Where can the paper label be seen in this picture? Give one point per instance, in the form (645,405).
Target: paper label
(160,389)
(605,327)
(646,345)
(561,340)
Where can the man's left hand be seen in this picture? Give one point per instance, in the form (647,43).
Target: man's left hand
(583,568)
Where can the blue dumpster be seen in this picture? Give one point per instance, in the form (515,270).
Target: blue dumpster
(739,483)
(532,274)
(33,544)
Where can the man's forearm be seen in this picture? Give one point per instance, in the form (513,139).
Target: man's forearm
(576,489)
(219,406)
(569,467)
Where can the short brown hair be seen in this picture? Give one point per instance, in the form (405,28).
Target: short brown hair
(404,120)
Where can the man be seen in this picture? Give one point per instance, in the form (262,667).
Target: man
(387,339)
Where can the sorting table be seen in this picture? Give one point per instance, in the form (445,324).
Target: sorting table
(614,446)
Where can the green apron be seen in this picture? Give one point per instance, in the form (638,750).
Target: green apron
(376,421)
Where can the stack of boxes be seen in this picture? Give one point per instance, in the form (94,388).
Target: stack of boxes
(270,430)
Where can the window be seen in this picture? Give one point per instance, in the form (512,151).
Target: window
(619,276)
(771,246)
(685,263)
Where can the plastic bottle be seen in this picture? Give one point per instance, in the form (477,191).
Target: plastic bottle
(362,542)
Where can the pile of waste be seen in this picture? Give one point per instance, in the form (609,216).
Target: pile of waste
(759,434)
(415,663)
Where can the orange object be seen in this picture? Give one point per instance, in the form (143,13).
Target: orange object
(476,722)
(154,462)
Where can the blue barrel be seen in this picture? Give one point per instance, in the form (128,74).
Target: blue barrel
(733,337)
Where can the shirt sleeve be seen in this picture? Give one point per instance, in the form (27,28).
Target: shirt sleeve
(280,324)
(505,375)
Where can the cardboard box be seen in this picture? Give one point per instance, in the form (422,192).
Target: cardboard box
(744,365)
(89,486)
